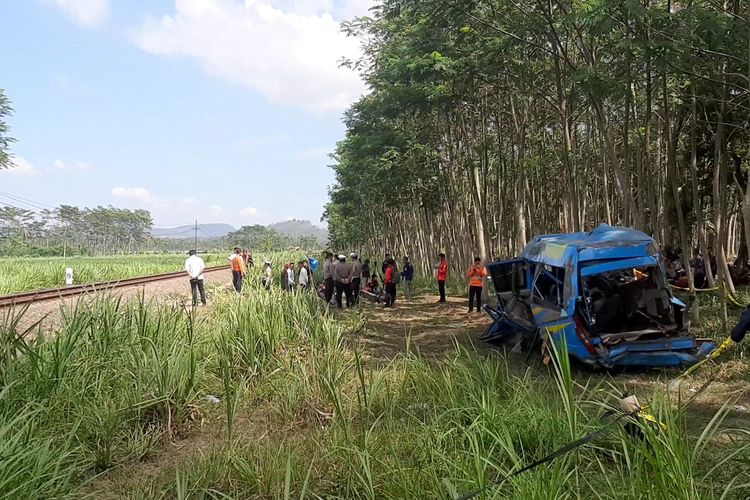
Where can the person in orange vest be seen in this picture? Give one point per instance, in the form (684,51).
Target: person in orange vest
(477,275)
(442,275)
(238,269)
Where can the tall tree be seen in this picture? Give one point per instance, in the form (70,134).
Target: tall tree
(6,110)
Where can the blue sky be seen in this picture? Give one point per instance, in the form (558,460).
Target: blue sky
(216,110)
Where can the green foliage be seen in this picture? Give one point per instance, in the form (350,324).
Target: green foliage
(259,238)
(20,274)
(489,122)
(304,411)
(77,231)
(6,110)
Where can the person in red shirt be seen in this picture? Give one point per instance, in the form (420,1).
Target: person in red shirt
(477,275)
(442,275)
(390,281)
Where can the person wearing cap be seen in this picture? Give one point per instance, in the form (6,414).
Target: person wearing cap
(342,277)
(267,274)
(238,269)
(194,266)
(356,277)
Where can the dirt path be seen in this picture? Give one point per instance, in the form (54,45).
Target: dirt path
(47,313)
(435,330)
(432,328)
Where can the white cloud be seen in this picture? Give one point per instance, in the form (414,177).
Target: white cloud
(20,167)
(77,166)
(89,13)
(249,212)
(189,200)
(287,50)
(139,193)
(216,209)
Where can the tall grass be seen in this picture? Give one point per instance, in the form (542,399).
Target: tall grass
(21,274)
(305,412)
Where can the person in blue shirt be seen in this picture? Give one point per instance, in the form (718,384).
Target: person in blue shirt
(407,273)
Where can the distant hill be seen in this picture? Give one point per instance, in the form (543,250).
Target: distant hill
(204,231)
(295,229)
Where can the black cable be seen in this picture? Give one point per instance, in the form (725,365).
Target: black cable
(27,201)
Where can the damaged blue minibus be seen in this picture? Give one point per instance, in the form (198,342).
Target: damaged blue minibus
(604,293)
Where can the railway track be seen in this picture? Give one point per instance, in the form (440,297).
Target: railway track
(22,298)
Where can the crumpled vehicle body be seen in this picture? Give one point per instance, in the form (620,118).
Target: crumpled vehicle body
(603,293)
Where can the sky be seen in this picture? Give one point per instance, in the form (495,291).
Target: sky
(215,110)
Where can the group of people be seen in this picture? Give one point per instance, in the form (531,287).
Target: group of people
(290,281)
(353,278)
(343,279)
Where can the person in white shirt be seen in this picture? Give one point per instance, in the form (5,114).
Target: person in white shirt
(304,276)
(267,274)
(290,274)
(195,266)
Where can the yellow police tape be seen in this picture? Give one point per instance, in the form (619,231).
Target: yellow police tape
(732,299)
(650,418)
(729,295)
(728,342)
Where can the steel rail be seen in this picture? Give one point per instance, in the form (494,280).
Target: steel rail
(22,298)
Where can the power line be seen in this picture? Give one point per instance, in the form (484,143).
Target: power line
(27,204)
(21,199)
(14,206)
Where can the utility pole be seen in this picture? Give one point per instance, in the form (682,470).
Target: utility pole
(195,244)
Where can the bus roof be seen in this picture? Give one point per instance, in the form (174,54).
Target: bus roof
(603,243)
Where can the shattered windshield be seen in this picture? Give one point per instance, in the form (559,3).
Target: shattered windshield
(627,299)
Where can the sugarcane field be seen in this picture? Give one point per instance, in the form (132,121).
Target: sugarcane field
(397,249)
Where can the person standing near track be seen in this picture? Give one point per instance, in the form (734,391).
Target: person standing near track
(238,269)
(328,277)
(384,266)
(366,271)
(195,266)
(477,274)
(284,277)
(391,279)
(303,279)
(442,276)
(290,277)
(267,274)
(408,274)
(356,277)
(342,276)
